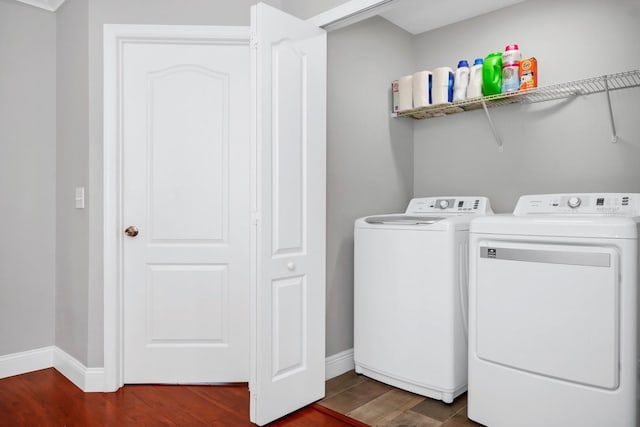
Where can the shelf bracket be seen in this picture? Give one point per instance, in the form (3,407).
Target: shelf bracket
(493,128)
(614,135)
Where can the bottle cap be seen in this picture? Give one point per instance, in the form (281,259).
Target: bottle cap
(477,61)
(511,47)
(463,63)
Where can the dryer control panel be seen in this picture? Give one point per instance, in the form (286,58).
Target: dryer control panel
(471,205)
(618,204)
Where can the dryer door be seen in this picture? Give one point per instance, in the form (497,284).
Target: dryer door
(549,309)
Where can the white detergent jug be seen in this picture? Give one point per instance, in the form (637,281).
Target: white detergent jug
(461,81)
(474,90)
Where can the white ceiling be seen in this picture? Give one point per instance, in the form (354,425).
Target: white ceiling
(50,5)
(418,16)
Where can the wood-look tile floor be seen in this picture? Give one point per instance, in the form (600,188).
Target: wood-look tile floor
(378,404)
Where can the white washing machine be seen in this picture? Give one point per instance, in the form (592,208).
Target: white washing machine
(553,313)
(410,295)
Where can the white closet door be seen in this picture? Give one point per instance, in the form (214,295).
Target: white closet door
(186,190)
(288,357)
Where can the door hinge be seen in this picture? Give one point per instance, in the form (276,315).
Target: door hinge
(253,41)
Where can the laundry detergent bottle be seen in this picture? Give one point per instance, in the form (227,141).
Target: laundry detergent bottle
(461,81)
(474,90)
(492,74)
(511,68)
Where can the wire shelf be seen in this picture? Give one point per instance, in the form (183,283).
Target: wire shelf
(627,79)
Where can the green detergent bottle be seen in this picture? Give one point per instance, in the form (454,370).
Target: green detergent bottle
(492,74)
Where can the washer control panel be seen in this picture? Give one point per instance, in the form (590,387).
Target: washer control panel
(622,204)
(473,205)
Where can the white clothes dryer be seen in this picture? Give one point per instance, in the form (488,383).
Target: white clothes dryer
(410,295)
(553,313)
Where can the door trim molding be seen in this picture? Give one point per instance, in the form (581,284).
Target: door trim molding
(116,37)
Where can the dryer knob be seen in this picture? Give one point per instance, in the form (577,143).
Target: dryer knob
(444,204)
(574,202)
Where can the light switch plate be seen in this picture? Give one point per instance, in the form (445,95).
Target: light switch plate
(79,197)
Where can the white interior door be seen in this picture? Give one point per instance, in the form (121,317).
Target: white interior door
(289,66)
(186,188)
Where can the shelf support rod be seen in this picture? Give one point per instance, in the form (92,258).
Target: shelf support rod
(614,136)
(493,128)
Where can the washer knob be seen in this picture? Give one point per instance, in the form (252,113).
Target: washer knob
(574,202)
(444,204)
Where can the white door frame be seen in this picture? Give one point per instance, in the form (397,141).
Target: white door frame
(115,38)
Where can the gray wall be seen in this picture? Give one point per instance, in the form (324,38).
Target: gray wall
(369,154)
(27,177)
(549,147)
(72,243)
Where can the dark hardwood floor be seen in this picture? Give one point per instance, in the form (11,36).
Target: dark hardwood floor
(46,398)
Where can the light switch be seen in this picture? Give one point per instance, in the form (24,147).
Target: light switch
(79,197)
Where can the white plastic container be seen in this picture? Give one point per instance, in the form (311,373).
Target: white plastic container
(474,90)
(442,87)
(405,96)
(510,77)
(461,81)
(510,68)
(421,89)
(511,54)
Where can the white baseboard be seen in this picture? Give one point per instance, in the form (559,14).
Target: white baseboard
(86,379)
(26,361)
(92,379)
(338,364)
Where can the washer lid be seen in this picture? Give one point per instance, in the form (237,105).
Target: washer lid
(431,214)
(609,227)
(442,222)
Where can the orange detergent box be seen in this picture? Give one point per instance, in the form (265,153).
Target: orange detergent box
(528,73)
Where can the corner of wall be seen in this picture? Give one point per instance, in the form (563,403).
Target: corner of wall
(86,379)
(339,363)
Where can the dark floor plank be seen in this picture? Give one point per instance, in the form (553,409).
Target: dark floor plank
(439,410)
(313,417)
(339,416)
(410,418)
(461,420)
(341,383)
(385,407)
(355,396)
